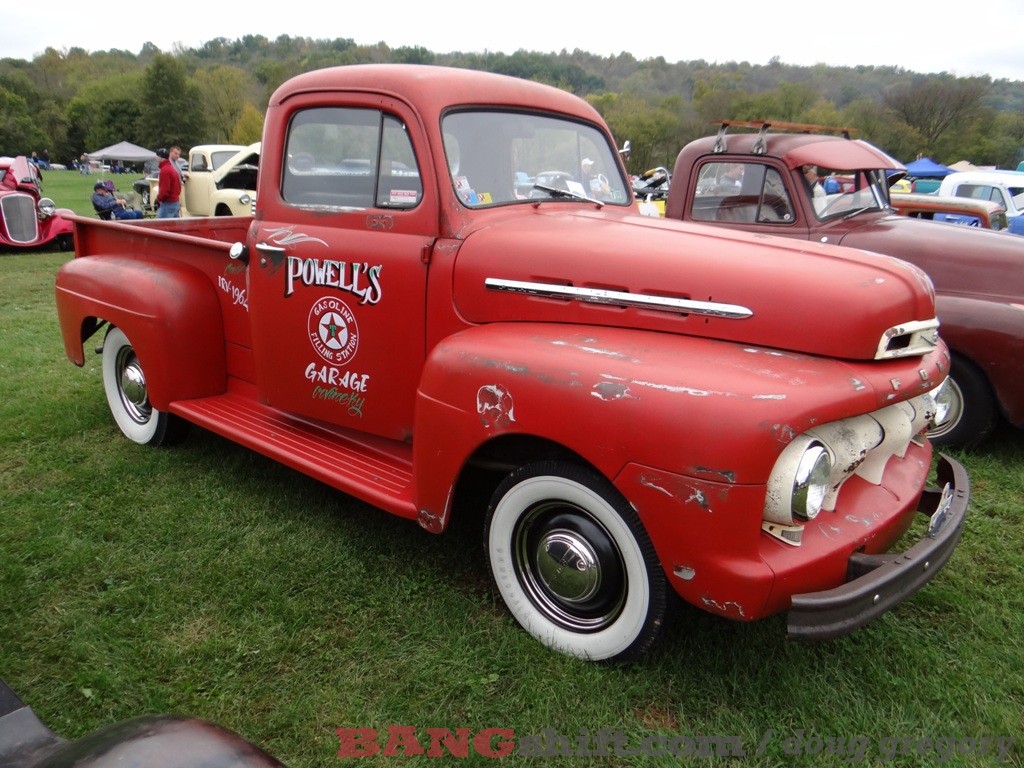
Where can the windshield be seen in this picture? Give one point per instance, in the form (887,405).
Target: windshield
(843,193)
(496,158)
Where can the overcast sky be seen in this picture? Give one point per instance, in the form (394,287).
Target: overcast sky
(941,36)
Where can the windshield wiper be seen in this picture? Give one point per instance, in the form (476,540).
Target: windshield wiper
(565,193)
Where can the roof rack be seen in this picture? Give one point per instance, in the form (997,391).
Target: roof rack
(760,146)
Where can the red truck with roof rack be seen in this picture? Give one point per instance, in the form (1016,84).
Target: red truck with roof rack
(977,273)
(628,407)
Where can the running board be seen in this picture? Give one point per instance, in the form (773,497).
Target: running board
(376,471)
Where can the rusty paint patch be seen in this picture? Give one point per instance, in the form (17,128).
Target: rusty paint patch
(725,475)
(429,522)
(727,608)
(609,390)
(649,483)
(495,406)
(831,532)
(784,433)
(698,496)
(615,354)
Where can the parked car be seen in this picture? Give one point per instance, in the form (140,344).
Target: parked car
(977,275)
(27,219)
(626,406)
(1003,187)
(228,188)
(951,210)
(203,159)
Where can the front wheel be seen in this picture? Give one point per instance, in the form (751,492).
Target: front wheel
(972,408)
(127,392)
(573,563)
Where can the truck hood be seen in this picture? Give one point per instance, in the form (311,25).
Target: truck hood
(604,268)
(960,260)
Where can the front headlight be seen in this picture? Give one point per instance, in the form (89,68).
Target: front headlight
(945,398)
(46,208)
(244,198)
(799,483)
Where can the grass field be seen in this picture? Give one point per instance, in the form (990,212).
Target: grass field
(70,189)
(206,580)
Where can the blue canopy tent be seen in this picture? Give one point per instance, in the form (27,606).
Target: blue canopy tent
(926,168)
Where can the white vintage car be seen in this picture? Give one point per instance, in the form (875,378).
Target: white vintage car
(218,185)
(219,180)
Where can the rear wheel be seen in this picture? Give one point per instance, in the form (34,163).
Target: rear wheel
(127,392)
(573,563)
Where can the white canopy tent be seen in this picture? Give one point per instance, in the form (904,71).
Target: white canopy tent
(124,151)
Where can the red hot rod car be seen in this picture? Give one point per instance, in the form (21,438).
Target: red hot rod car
(27,219)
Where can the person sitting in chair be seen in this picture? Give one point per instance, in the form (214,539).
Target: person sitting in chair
(108,206)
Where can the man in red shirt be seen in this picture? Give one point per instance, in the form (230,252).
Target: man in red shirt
(168,196)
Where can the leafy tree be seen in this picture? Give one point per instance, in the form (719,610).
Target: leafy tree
(105,112)
(226,91)
(173,105)
(18,132)
(412,55)
(937,107)
(883,128)
(249,127)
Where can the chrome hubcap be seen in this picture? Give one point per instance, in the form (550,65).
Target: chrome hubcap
(132,387)
(569,566)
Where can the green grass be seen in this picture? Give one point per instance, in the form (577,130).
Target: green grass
(71,189)
(208,581)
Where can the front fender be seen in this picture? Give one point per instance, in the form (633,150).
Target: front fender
(168,310)
(692,406)
(991,335)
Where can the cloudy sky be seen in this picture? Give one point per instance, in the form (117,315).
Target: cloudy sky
(940,36)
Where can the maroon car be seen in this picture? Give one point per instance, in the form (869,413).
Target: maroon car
(27,219)
(779,182)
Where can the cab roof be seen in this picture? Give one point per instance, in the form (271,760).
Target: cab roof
(794,149)
(433,89)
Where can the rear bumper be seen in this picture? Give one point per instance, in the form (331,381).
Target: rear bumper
(876,583)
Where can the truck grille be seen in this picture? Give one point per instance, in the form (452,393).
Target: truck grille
(19,217)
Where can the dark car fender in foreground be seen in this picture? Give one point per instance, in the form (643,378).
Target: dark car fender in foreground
(154,741)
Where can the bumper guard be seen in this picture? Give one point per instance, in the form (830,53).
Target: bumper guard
(876,583)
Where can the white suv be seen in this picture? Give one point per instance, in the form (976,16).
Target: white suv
(1003,187)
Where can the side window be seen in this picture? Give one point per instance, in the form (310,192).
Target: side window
(741,193)
(399,181)
(349,158)
(199,163)
(979,192)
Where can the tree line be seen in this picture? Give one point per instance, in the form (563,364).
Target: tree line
(73,101)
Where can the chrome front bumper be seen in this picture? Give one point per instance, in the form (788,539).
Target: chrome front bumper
(876,583)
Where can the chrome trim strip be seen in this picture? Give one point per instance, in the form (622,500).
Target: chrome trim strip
(620,298)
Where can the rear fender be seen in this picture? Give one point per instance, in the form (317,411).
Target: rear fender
(168,310)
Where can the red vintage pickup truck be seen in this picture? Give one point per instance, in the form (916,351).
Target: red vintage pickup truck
(446,288)
(799,181)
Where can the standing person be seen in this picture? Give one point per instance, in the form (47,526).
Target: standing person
(168,196)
